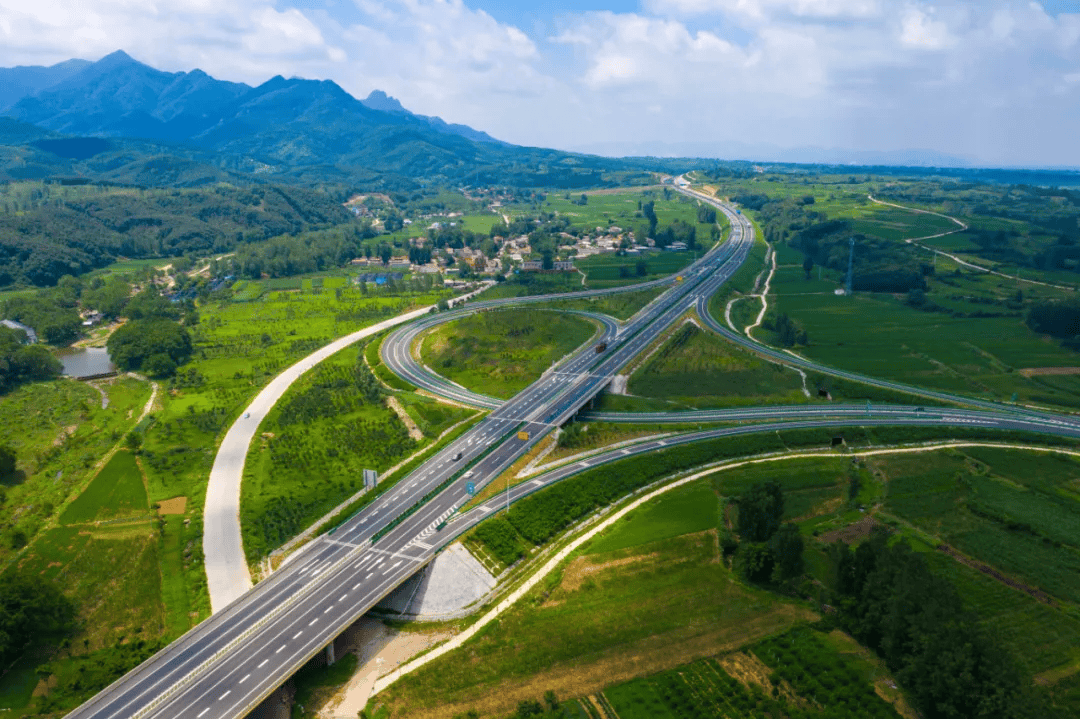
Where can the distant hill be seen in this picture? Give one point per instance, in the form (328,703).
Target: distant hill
(379,100)
(278,127)
(23,80)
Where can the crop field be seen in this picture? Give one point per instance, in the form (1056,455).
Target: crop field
(59,432)
(1016,518)
(117,491)
(797,674)
(500,353)
(879,335)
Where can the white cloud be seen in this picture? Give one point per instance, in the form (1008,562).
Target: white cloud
(762,10)
(957,75)
(919,29)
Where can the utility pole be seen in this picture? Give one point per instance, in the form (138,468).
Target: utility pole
(850,264)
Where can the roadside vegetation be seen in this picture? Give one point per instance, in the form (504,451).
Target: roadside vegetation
(805,533)
(331,425)
(500,352)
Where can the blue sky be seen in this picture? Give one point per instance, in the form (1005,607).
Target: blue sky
(993,82)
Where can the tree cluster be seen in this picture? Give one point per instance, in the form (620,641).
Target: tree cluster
(23,363)
(31,610)
(768,551)
(891,602)
(155,345)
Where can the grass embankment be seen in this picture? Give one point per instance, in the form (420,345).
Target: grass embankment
(621,306)
(330,426)
(499,353)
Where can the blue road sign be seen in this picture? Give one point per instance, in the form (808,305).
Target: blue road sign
(470,488)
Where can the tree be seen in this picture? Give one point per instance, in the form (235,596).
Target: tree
(137,341)
(642,268)
(807,265)
(755,562)
(159,366)
(787,548)
(31,610)
(760,510)
(7,461)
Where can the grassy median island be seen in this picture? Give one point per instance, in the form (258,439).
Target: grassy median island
(500,352)
(336,421)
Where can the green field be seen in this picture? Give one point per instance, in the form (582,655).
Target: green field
(59,432)
(693,508)
(622,306)
(880,336)
(499,353)
(695,368)
(1021,517)
(611,270)
(601,618)
(807,669)
(117,491)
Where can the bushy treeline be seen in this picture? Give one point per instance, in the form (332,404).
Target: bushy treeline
(879,265)
(32,610)
(1059,319)
(23,363)
(49,236)
(890,601)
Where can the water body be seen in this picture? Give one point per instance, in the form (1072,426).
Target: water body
(86,362)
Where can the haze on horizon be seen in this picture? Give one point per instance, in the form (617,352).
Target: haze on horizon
(991,83)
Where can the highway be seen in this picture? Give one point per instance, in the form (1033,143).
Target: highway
(226,665)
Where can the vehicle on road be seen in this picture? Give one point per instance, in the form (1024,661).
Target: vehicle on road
(247,415)
(457,456)
(601,348)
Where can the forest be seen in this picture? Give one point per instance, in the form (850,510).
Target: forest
(48,231)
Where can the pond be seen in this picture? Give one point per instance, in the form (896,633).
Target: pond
(86,362)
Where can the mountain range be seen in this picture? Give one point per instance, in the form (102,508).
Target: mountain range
(302,129)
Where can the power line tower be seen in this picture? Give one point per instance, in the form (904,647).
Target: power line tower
(850,263)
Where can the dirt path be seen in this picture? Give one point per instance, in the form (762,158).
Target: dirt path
(764,299)
(970,265)
(414,432)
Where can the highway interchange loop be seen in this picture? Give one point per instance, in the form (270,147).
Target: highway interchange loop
(228,664)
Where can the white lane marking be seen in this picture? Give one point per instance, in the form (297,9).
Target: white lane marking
(390,569)
(225,695)
(262,664)
(357,586)
(246,677)
(199,715)
(368,576)
(279,649)
(343,597)
(313,621)
(297,635)
(327,610)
